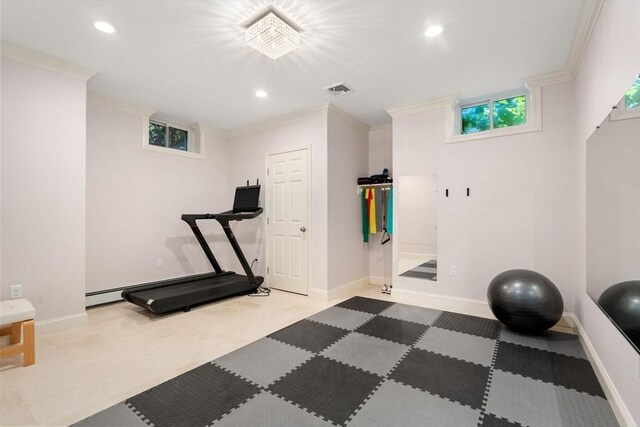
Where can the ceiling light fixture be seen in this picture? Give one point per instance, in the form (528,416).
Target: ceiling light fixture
(105,27)
(272,33)
(261,94)
(433,31)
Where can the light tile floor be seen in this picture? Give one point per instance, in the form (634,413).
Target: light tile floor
(123,350)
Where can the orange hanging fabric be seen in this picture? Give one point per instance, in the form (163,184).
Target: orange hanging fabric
(371,199)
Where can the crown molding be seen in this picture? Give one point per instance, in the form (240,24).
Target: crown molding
(548,79)
(337,113)
(320,110)
(211,130)
(103,101)
(385,128)
(116,104)
(403,110)
(19,53)
(588,18)
(586,23)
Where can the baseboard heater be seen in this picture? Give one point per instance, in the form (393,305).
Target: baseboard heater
(91,299)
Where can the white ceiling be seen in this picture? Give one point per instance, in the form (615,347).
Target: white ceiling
(188,60)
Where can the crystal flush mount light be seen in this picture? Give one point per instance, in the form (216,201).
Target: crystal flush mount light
(272,34)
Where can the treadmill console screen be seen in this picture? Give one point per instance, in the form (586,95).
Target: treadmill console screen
(246,199)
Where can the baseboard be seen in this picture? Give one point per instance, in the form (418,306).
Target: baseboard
(57,324)
(446,303)
(619,408)
(347,289)
(472,307)
(341,291)
(566,323)
(320,294)
(102,298)
(379,280)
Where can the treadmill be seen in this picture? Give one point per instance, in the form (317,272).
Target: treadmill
(184,292)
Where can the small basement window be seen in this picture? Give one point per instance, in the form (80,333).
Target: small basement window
(632,97)
(493,114)
(502,114)
(163,136)
(629,105)
(169,135)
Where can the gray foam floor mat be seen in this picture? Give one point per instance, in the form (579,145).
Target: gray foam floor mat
(368,362)
(427,270)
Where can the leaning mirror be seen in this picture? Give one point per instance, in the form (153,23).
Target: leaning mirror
(418,226)
(613,215)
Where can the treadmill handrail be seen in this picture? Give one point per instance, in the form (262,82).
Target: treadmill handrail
(223,218)
(227,215)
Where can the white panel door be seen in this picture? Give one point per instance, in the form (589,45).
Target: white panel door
(287,220)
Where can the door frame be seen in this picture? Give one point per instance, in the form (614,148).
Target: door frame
(267,245)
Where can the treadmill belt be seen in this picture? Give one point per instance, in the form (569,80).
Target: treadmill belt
(184,295)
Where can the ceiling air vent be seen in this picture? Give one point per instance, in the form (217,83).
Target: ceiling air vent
(338,89)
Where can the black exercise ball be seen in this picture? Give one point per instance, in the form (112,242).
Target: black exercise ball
(621,302)
(525,301)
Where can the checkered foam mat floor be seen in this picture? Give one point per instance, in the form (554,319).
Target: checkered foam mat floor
(367,362)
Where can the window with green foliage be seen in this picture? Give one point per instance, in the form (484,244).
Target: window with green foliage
(492,114)
(157,134)
(510,112)
(632,97)
(475,118)
(164,135)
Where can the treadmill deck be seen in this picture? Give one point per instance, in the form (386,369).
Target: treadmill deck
(162,297)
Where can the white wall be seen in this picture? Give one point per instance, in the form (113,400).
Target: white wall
(380,157)
(43,188)
(519,214)
(613,205)
(247,154)
(135,198)
(348,257)
(609,66)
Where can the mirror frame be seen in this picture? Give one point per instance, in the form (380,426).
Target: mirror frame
(618,113)
(426,269)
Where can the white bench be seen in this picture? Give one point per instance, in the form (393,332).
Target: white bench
(17,315)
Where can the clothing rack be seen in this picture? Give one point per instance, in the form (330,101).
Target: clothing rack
(386,215)
(383,187)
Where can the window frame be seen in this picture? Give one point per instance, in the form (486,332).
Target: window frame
(491,102)
(167,125)
(461,107)
(624,103)
(621,112)
(533,123)
(195,142)
(505,98)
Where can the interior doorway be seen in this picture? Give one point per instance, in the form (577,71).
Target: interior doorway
(288,228)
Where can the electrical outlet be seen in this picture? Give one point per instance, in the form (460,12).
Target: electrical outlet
(16,291)
(160,263)
(453,270)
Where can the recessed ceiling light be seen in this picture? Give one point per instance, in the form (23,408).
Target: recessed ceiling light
(261,94)
(105,27)
(434,30)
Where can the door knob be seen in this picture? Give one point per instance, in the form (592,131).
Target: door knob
(303,229)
